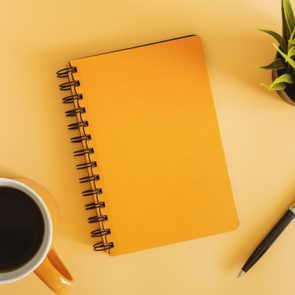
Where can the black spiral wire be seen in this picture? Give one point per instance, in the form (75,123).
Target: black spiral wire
(92,178)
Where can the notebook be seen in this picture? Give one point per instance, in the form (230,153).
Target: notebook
(146,130)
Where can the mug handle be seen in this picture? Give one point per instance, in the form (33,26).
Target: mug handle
(54,274)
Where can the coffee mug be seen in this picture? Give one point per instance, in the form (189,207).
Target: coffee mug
(28,220)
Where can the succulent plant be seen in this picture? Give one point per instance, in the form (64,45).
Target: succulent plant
(284,62)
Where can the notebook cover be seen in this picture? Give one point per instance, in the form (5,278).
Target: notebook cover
(157,143)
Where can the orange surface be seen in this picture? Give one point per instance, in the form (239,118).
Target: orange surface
(257,129)
(156,140)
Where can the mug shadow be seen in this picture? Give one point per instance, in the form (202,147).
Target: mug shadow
(71,218)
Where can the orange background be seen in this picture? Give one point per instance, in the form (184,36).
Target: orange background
(257,129)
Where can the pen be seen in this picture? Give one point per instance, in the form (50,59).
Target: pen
(268,240)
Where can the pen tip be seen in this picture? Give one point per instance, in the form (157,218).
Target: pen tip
(241,273)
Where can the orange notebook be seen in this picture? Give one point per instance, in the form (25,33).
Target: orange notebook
(150,145)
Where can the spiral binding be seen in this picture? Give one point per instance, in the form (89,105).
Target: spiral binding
(86,151)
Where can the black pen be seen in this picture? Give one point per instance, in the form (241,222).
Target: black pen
(268,240)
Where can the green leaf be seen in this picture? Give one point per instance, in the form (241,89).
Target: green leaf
(285,31)
(278,37)
(289,16)
(288,59)
(292,35)
(277,87)
(286,78)
(291,40)
(280,82)
(277,64)
(291,52)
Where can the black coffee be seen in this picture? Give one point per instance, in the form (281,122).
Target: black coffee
(21,228)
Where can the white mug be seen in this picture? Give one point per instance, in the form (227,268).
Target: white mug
(45,263)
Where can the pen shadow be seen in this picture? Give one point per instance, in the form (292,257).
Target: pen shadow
(249,239)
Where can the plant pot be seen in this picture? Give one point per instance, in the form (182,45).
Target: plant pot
(288,94)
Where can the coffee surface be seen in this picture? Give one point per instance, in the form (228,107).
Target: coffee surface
(21,228)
